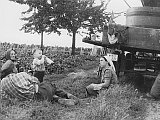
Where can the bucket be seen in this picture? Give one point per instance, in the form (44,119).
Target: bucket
(151,3)
(148,17)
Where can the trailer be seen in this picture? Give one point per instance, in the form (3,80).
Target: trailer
(136,44)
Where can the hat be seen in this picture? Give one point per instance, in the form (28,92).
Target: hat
(108,58)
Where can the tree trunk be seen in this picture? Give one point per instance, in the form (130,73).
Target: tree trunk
(42,40)
(73,43)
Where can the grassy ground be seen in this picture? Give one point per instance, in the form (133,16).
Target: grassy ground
(120,102)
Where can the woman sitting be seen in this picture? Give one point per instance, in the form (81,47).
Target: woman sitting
(10,57)
(107,76)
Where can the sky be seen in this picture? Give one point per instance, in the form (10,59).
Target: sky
(10,24)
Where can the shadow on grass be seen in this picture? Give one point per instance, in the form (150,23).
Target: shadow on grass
(142,83)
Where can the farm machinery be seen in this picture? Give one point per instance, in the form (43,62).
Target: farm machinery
(134,47)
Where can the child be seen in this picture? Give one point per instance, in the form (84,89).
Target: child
(38,64)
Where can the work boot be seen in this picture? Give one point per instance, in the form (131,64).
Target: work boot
(70,96)
(68,102)
(56,98)
(149,96)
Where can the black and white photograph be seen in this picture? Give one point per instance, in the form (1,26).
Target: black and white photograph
(80,60)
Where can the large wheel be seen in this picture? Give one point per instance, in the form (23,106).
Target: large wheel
(130,61)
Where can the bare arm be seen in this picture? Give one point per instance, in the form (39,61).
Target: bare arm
(49,61)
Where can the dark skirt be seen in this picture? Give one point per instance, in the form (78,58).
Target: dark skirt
(39,75)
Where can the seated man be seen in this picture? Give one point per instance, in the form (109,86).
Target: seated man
(24,87)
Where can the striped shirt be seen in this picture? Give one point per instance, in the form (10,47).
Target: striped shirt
(20,85)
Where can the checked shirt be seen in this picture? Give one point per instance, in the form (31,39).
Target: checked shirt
(20,85)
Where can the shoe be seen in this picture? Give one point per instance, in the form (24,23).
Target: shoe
(149,95)
(68,102)
(70,96)
(85,101)
(55,98)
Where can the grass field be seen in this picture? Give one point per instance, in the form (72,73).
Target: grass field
(120,102)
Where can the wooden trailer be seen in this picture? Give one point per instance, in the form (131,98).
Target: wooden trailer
(137,43)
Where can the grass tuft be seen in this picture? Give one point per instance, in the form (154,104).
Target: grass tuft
(116,104)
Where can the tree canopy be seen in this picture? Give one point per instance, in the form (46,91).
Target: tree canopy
(53,15)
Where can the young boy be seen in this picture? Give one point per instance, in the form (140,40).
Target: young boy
(38,64)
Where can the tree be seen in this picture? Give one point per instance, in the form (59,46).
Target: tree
(72,15)
(77,14)
(39,20)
